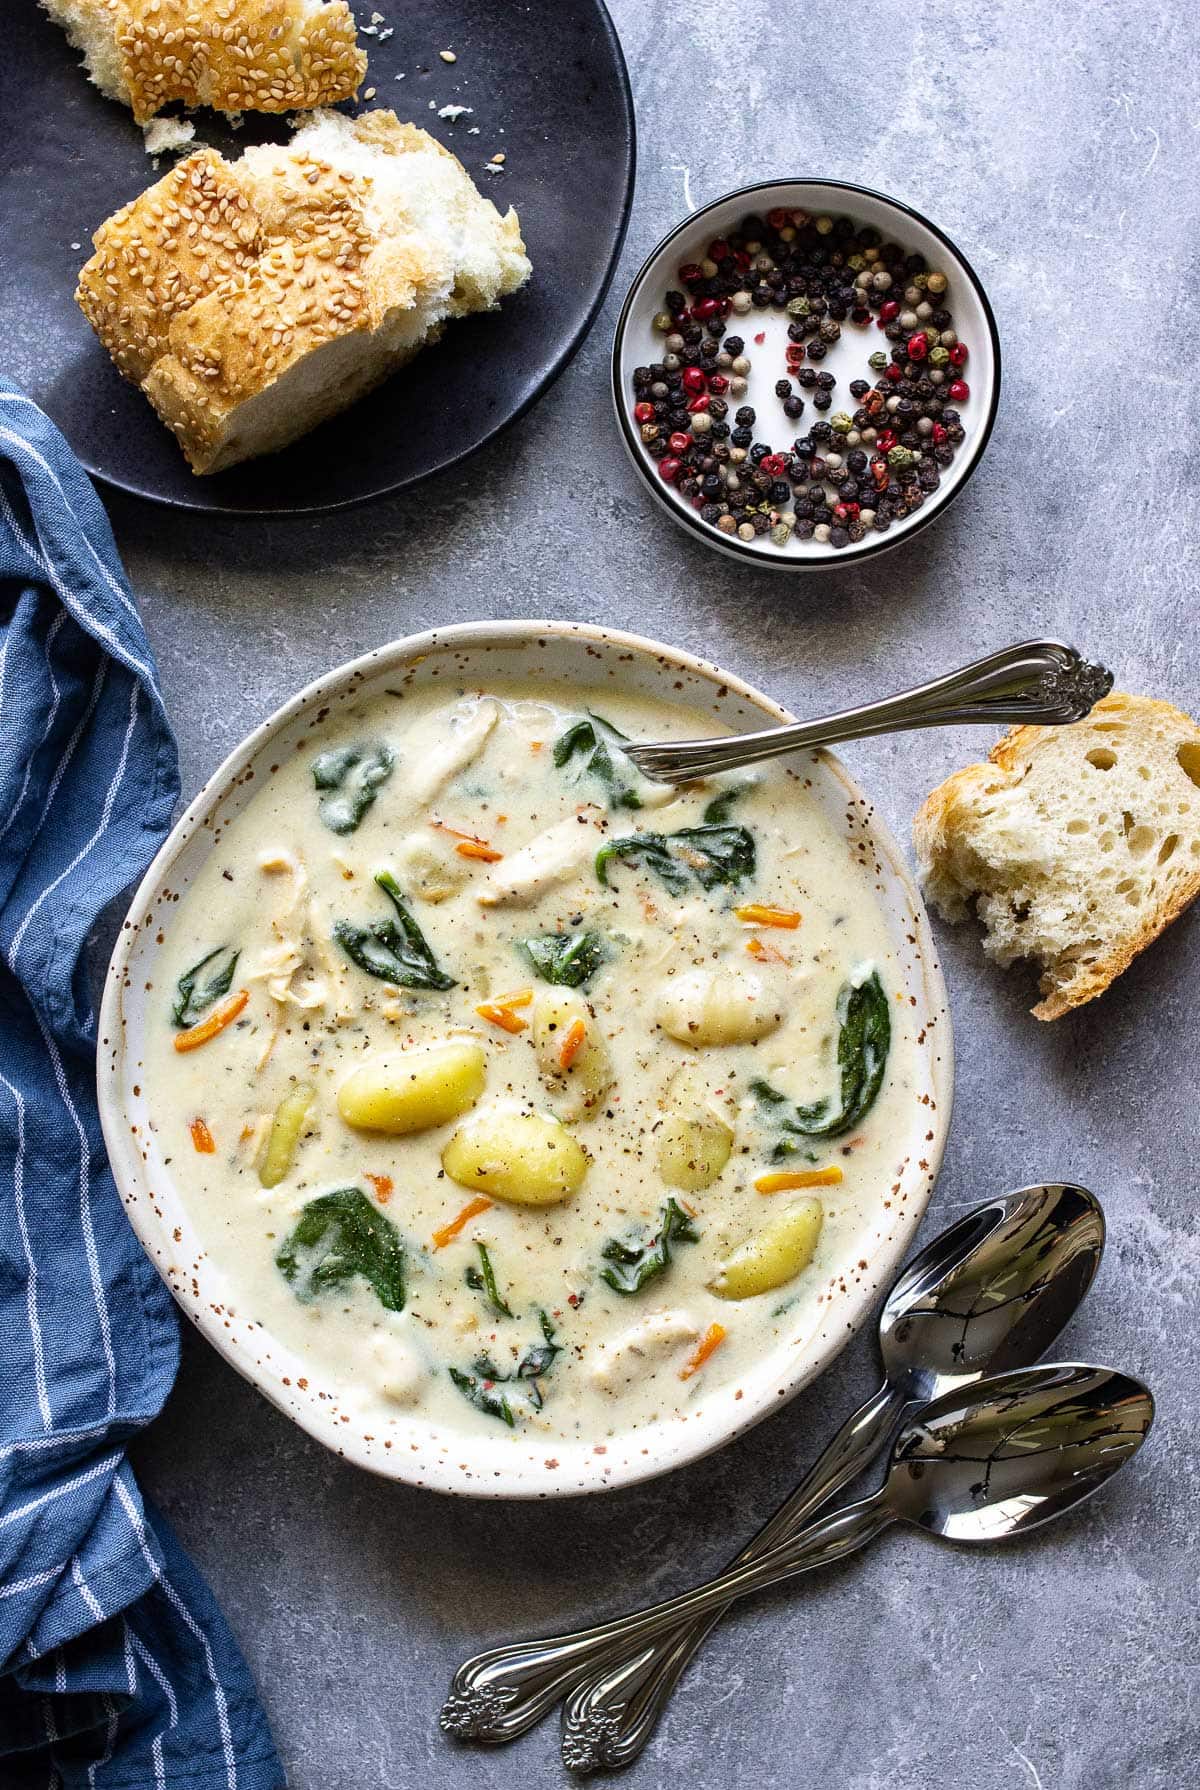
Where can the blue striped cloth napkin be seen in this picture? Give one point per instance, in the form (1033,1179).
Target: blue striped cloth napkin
(116,1667)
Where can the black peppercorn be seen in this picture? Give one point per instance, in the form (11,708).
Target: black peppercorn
(733,345)
(745,416)
(793,407)
(741,438)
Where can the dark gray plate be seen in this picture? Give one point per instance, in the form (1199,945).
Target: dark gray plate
(548,86)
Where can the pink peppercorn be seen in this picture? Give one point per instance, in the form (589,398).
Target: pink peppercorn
(668,468)
(959,389)
(694,381)
(959,354)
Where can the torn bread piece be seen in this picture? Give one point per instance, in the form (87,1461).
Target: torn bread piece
(1077,845)
(251,300)
(232,55)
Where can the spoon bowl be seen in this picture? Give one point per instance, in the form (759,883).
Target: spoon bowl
(993,1291)
(991,1460)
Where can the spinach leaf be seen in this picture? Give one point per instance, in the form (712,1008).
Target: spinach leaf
(709,855)
(565,958)
(594,741)
(350,777)
(339,1236)
(492,1404)
(717,812)
(864,1037)
(203,984)
(634,1265)
(649,849)
(483,1280)
(394,953)
(538,1360)
(716,854)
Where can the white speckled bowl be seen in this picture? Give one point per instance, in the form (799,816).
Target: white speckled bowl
(419,1451)
(637,343)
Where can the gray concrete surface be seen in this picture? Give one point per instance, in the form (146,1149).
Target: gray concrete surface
(1060,145)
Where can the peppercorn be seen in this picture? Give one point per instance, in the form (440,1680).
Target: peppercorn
(817,350)
(793,407)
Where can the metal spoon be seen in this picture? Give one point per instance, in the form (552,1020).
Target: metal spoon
(989,1294)
(978,1465)
(1015,1267)
(1039,681)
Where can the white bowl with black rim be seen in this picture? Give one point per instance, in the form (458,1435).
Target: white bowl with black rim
(173,1230)
(638,343)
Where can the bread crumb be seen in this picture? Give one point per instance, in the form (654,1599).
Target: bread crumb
(447,56)
(454,112)
(162,134)
(369,94)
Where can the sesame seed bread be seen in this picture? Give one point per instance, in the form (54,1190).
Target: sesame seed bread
(232,55)
(253,299)
(1078,845)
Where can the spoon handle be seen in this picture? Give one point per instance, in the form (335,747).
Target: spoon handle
(1038,681)
(611,1713)
(500,1693)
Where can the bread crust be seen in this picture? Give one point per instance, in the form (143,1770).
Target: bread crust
(223,277)
(946,812)
(232,55)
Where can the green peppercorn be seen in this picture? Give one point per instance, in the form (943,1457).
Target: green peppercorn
(664,322)
(841,422)
(899,458)
(879,360)
(855,263)
(797,307)
(934,282)
(939,356)
(781,533)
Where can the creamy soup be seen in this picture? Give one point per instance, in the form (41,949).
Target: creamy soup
(517,1093)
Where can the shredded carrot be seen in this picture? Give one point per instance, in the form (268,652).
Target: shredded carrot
(787,1181)
(383,1185)
(712,1339)
(478,848)
(222,1015)
(520,997)
(766,953)
(754,914)
(202,1137)
(573,1041)
(536,745)
(449,1231)
(504,1017)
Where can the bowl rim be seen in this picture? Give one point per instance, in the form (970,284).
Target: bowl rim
(150,1224)
(742,550)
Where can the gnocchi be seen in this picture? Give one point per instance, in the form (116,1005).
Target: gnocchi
(414,1090)
(781,1250)
(728,1006)
(524,1157)
(693,1149)
(579,1078)
(283,1139)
